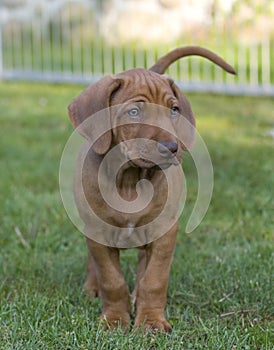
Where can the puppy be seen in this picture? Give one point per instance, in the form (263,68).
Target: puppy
(128,183)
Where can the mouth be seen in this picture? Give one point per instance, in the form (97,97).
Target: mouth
(148,164)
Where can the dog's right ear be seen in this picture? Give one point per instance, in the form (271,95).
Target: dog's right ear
(83,113)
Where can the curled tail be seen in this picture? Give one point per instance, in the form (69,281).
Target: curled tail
(164,62)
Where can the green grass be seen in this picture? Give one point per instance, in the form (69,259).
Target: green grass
(224,267)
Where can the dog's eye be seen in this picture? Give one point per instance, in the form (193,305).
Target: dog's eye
(174,111)
(134,112)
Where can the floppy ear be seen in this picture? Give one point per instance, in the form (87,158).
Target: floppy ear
(95,98)
(186,123)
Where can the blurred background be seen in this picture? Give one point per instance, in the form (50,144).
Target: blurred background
(78,41)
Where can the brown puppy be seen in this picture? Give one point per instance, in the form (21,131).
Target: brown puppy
(123,128)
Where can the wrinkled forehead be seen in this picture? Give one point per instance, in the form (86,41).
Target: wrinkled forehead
(143,85)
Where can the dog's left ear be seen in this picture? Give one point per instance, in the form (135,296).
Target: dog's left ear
(94,126)
(186,122)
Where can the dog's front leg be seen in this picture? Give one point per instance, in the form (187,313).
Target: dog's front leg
(112,287)
(152,286)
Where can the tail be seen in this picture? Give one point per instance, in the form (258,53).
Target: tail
(164,62)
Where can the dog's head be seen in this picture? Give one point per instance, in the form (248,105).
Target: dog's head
(139,105)
(136,106)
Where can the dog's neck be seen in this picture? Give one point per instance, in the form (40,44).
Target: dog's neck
(126,177)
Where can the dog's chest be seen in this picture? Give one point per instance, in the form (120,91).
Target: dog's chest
(127,205)
(124,210)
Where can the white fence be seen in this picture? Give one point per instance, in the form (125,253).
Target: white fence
(79,41)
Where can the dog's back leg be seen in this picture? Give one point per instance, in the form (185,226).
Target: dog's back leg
(91,284)
(142,261)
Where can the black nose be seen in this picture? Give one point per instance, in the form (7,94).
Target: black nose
(168,149)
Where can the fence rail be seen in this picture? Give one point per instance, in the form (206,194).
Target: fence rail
(68,44)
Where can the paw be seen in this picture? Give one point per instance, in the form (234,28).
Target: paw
(115,321)
(91,288)
(157,324)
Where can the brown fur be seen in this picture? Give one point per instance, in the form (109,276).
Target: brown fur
(104,273)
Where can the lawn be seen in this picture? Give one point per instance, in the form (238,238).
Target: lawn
(221,288)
